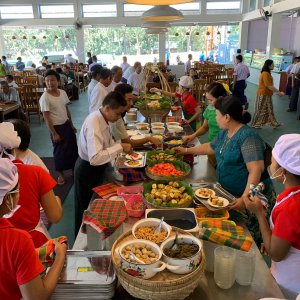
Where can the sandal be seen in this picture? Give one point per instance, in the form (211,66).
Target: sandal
(277,125)
(60,180)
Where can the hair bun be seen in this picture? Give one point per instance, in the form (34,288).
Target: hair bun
(246,117)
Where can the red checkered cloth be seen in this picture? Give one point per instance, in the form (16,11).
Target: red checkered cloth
(132,175)
(106,190)
(46,253)
(105,216)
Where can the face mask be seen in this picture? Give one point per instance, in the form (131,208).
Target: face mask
(273,176)
(9,156)
(12,210)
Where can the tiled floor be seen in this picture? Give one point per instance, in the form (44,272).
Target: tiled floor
(41,144)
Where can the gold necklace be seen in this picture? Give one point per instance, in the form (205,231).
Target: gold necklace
(227,139)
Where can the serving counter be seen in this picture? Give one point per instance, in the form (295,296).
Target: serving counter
(264,285)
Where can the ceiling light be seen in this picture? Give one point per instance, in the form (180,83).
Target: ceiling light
(157,2)
(156,25)
(156,30)
(162,13)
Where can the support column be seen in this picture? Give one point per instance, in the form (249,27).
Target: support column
(243,35)
(80,51)
(162,47)
(273,38)
(2,44)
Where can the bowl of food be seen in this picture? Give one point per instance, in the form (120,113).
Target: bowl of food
(169,170)
(172,124)
(157,124)
(158,129)
(145,230)
(148,255)
(175,129)
(182,256)
(144,130)
(166,194)
(174,141)
(158,136)
(164,155)
(141,125)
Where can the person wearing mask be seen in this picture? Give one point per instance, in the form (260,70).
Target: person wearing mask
(124,65)
(117,73)
(55,111)
(240,74)
(263,109)
(35,188)
(20,66)
(239,152)
(96,148)
(6,65)
(190,107)
(136,78)
(20,266)
(96,70)
(100,90)
(188,65)
(282,237)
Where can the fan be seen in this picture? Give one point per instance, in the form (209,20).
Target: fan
(78,24)
(265,14)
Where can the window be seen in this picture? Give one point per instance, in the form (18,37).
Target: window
(57,11)
(267,2)
(252,5)
(102,10)
(188,8)
(223,5)
(135,10)
(16,12)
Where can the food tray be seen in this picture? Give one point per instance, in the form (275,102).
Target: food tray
(164,285)
(121,158)
(219,190)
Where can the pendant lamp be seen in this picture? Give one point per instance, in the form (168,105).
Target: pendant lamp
(162,13)
(156,30)
(157,2)
(156,25)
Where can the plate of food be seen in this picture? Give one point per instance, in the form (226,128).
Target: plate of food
(155,97)
(205,193)
(132,132)
(133,163)
(164,155)
(134,156)
(173,141)
(218,202)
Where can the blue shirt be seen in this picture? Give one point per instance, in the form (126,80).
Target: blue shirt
(7,68)
(20,66)
(233,153)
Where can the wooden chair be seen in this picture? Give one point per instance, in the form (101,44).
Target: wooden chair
(229,74)
(150,85)
(12,68)
(32,79)
(28,73)
(173,86)
(19,80)
(199,90)
(30,101)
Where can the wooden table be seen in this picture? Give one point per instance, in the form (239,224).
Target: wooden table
(6,108)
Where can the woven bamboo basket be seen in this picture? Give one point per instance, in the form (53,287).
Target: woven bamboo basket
(149,113)
(164,285)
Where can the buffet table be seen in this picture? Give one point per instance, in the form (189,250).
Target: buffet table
(264,285)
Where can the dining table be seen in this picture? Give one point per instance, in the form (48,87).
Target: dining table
(263,285)
(7,108)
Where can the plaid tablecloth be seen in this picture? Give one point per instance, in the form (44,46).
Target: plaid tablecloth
(225,232)
(132,175)
(106,190)
(46,253)
(105,216)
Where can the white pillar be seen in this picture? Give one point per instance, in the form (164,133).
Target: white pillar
(273,38)
(80,51)
(243,35)
(2,44)
(162,47)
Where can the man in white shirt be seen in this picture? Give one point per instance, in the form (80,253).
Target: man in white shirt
(96,148)
(117,76)
(96,70)
(70,59)
(127,73)
(7,93)
(188,65)
(125,65)
(136,78)
(100,90)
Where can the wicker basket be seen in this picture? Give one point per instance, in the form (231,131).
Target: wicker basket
(152,205)
(148,112)
(164,285)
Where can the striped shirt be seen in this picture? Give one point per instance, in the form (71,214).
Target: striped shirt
(241,71)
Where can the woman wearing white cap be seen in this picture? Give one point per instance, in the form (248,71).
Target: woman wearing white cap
(282,240)
(190,107)
(20,267)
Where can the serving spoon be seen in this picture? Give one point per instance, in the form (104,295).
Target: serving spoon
(158,228)
(133,257)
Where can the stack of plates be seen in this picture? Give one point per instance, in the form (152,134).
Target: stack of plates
(86,275)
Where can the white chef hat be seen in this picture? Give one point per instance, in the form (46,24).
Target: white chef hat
(8,177)
(186,81)
(287,152)
(9,138)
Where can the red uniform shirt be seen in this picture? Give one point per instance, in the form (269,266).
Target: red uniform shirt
(189,103)
(34,182)
(19,262)
(286,217)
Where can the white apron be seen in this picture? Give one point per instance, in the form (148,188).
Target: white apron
(287,271)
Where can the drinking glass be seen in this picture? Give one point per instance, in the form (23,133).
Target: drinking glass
(245,267)
(224,267)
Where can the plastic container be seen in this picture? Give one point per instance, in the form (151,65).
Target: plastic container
(202,211)
(131,192)
(245,267)
(136,213)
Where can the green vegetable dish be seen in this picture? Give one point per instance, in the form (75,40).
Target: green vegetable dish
(148,102)
(166,155)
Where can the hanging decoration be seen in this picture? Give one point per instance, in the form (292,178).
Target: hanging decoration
(162,13)
(157,2)
(197,33)
(176,34)
(156,25)
(34,37)
(187,33)
(24,37)
(55,37)
(207,33)
(228,31)
(44,37)
(14,37)
(67,36)
(218,32)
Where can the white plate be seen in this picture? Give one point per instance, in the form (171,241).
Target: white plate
(138,156)
(138,163)
(137,137)
(225,203)
(198,193)
(132,132)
